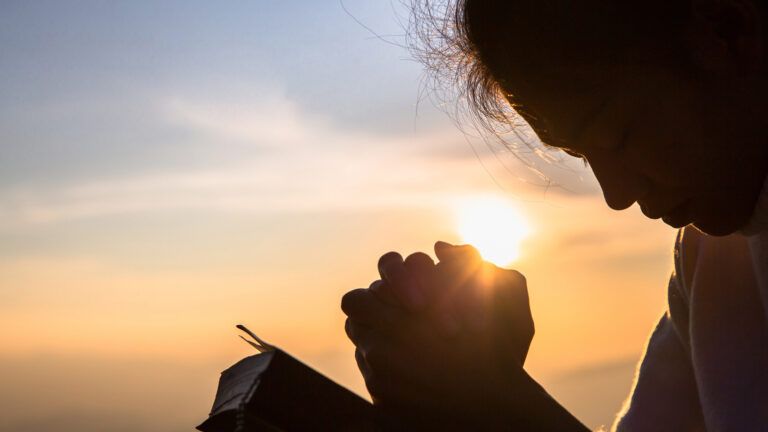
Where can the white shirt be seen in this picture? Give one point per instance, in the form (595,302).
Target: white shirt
(706,364)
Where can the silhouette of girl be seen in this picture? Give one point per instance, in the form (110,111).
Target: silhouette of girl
(666,101)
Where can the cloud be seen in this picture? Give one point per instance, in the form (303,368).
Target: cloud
(309,165)
(268,120)
(258,152)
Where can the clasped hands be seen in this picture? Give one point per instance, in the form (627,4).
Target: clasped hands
(443,340)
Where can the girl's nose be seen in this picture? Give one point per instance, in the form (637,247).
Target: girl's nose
(622,186)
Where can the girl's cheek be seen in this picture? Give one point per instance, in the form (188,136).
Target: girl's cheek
(664,148)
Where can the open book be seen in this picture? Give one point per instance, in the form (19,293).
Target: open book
(272,391)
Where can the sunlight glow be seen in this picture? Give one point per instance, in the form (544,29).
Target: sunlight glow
(494,226)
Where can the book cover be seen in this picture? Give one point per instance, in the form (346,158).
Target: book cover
(273,391)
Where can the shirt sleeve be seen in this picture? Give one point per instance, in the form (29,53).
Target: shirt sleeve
(664,396)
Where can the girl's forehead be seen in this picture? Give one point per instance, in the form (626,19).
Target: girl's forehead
(552,94)
(555,63)
(559,108)
(552,101)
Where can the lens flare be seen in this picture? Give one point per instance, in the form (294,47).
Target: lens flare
(494,226)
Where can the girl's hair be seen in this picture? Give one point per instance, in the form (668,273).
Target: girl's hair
(439,37)
(471,48)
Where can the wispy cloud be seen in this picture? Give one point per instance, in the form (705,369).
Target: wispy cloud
(309,165)
(269,120)
(260,152)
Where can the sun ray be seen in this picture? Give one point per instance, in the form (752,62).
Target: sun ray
(494,226)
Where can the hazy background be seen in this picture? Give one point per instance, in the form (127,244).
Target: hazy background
(171,168)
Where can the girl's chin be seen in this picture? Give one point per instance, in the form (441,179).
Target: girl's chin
(680,216)
(717,229)
(675,224)
(712,223)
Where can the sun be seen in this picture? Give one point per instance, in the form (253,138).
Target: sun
(494,226)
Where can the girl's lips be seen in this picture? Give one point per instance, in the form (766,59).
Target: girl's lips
(649,212)
(679,216)
(655,212)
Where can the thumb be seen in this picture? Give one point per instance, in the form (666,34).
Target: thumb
(448,252)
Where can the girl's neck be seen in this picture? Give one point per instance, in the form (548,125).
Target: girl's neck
(758,222)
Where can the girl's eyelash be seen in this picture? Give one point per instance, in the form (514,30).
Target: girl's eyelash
(577,156)
(572,153)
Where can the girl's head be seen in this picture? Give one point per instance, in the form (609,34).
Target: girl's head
(666,99)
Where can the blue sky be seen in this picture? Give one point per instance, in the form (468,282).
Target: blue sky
(105,64)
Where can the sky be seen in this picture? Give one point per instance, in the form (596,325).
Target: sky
(170,169)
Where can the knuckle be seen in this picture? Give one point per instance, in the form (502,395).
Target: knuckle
(391,267)
(469,248)
(349,328)
(377,358)
(418,258)
(351,299)
(365,370)
(517,278)
(390,258)
(468,252)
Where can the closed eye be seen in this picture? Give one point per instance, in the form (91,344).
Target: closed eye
(588,119)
